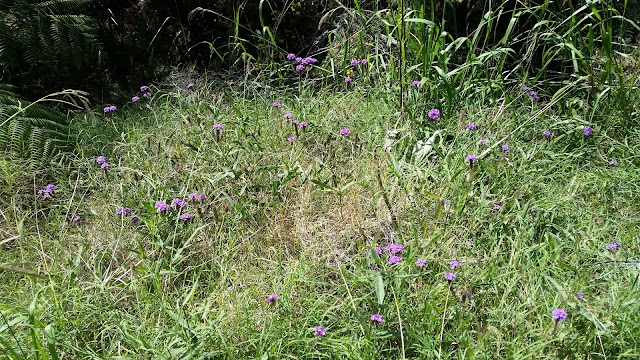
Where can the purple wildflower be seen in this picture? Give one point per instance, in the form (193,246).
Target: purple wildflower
(613,246)
(162,206)
(185,216)
(291,56)
(320,331)
(348,80)
(526,88)
(178,203)
(144,88)
(299,68)
(123,211)
(580,295)
(135,219)
(190,85)
(421,262)
(101,160)
(450,276)
(505,147)
(277,105)
(345,132)
(546,133)
(393,260)
(298,59)
(295,122)
(471,127)
(47,191)
(354,62)
(147,94)
(304,124)
(378,250)
(217,127)
(558,315)
(434,114)
(587,131)
(496,207)
(135,98)
(194,196)
(291,139)
(105,166)
(483,142)
(472,158)
(454,264)
(415,83)
(377,318)
(364,61)
(613,163)
(394,248)
(272,298)
(288,116)
(76,218)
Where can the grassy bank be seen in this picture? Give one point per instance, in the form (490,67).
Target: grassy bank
(531,225)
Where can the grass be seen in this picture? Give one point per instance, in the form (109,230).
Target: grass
(302,221)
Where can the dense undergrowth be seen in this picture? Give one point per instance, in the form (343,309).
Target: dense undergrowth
(532,225)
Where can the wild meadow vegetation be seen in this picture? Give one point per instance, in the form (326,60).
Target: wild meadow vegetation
(406,192)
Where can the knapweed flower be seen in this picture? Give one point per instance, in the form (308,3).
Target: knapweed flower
(291,56)
(190,85)
(288,116)
(291,139)
(345,132)
(434,114)
(587,131)
(144,88)
(495,207)
(378,250)
(394,248)
(471,127)
(304,124)
(421,262)
(123,211)
(348,80)
(471,158)
(298,59)
(450,276)
(415,83)
(272,298)
(320,331)
(217,127)
(194,196)
(162,206)
(546,133)
(505,147)
(454,264)
(613,163)
(394,260)
(310,60)
(483,142)
(613,246)
(580,295)
(178,203)
(295,122)
(104,166)
(277,105)
(377,318)
(354,62)
(76,218)
(364,61)
(526,88)
(101,160)
(185,216)
(147,94)
(108,109)
(299,68)
(558,315)
(135,99)
(47,191)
